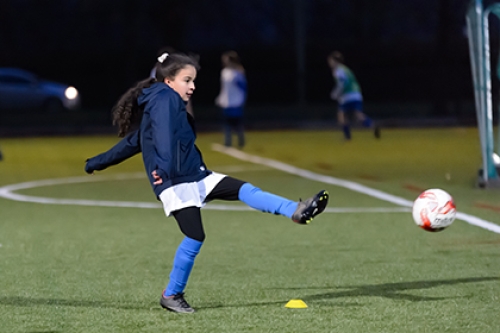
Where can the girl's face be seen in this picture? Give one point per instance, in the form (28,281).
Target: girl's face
(183,83)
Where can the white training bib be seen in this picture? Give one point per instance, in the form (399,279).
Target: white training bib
(189,194)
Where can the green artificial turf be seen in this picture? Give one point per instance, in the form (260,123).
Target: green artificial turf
(71,268)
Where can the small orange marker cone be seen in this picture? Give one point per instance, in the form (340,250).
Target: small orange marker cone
(296,304)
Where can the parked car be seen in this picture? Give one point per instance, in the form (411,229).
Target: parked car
(22,90)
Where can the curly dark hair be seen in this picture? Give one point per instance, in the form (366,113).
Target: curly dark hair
(127,113)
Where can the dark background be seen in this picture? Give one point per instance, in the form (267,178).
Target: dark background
(410,57)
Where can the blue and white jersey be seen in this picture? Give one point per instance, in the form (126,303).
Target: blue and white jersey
(347,87)
(233,92)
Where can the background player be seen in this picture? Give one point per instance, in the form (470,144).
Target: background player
(232,97)
(347,93)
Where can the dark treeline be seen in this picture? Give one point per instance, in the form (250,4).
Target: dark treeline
(412,50)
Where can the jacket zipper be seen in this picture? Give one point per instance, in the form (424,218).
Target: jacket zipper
(178,156)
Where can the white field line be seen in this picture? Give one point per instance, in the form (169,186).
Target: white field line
(8,193)
(343,183)
(240,168)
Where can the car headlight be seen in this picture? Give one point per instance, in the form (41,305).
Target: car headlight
(71,93)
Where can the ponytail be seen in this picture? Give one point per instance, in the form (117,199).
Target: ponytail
(126,112)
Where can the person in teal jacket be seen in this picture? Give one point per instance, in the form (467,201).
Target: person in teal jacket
(347,93)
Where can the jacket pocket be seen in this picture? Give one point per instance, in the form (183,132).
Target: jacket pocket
(186,163)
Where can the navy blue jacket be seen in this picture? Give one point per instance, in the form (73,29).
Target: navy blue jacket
(166,138)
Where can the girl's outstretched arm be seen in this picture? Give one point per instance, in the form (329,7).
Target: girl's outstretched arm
(127,147)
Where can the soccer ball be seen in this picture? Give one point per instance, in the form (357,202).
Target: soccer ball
(434,210)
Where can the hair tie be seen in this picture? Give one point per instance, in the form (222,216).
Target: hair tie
(163,57)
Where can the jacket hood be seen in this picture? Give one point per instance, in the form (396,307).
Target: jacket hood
(152,91)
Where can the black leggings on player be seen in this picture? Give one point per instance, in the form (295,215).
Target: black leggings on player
(189,219)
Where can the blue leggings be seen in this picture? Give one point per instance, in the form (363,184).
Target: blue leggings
(189,220)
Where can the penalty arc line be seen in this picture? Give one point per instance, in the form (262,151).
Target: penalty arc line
(343,183)
(8,192)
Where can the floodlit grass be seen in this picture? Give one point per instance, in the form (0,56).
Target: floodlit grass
(102,269)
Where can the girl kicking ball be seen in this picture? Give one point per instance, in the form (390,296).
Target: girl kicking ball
(152,118)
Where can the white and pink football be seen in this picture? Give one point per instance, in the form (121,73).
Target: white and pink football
(434,210)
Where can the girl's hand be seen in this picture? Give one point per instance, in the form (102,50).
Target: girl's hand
(88,169)
(157,178)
